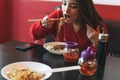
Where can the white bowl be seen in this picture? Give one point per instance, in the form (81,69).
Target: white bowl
(34,66)
(49,47)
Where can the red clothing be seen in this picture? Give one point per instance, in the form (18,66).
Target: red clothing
(66,32)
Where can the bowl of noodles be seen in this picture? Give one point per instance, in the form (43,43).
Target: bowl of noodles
(26,70)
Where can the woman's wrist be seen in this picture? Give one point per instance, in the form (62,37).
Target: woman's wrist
(93,48)
(95,45)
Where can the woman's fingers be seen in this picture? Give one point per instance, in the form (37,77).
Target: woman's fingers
(90,29)
(47,22)
(36,41)
(92,35)
(45,18)
(44,21)
(98,29)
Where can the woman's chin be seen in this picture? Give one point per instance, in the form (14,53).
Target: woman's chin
(68,21)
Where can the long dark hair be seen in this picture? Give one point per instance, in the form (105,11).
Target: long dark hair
(88,13)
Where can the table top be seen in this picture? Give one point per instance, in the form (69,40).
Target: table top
(9,54)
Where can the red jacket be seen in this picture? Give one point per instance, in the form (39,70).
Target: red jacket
(66,32)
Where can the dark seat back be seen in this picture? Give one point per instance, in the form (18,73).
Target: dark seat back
(114,36)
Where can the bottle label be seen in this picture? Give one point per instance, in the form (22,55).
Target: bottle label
(103,37)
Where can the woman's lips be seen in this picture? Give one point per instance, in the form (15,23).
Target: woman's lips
(67,18)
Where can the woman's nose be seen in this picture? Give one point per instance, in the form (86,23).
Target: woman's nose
(67,9)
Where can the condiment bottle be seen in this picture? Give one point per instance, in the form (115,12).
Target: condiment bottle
(72,54)
(102,48)
(88,62)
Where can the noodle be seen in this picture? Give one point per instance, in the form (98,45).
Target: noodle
(24,74)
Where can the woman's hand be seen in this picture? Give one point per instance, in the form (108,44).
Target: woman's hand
(93,35)
(47,23)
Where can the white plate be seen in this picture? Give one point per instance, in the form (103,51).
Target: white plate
(35,66)
(49,47)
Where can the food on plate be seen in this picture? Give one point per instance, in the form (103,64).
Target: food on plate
(57,47)
(24,74)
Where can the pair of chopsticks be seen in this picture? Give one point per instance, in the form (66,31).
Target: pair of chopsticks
(37,20)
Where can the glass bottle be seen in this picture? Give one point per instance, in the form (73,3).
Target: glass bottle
(72,53)
(88,62)
(102,48)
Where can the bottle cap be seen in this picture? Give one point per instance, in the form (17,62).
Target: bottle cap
(88,54)
(72,45)
(103,37)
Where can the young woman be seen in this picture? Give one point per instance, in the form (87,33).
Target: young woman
(77,21)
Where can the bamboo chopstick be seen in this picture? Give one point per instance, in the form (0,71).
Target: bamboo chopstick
(37,20)
(34,20)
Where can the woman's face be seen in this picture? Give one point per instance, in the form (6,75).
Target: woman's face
(70,10)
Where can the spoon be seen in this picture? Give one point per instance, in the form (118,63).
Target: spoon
(62,69)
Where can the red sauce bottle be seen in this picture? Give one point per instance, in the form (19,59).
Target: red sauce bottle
(88,62)
(72,54)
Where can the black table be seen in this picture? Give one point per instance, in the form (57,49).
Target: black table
(9,54)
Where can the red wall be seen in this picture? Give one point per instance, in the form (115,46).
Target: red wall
(24,10)
(109,12)
(15,13)
(5,20)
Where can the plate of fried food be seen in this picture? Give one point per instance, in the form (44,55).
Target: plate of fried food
(26,70)
(55,47)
